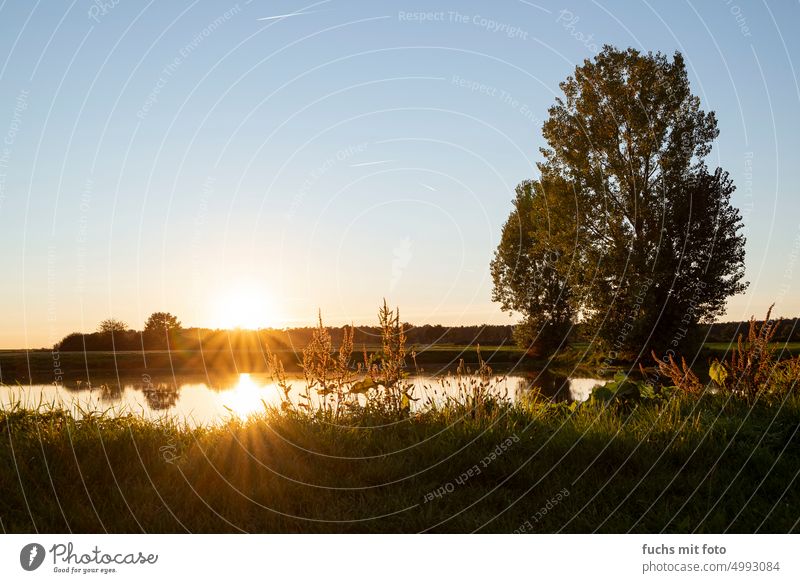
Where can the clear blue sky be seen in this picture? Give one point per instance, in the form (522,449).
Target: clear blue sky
(187,156)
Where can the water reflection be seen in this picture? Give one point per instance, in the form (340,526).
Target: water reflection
(201,401)
(161,396)
(246,397)
(555,387)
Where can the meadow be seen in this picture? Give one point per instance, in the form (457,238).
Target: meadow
(712,464)
(679,455)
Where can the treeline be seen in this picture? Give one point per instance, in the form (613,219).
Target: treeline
(788,330)
(297,338)
(288,339)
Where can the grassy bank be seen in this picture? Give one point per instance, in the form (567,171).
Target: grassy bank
(685,464)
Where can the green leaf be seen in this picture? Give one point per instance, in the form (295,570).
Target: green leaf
(646,391)
(362,387)
(718,372)
(603,393)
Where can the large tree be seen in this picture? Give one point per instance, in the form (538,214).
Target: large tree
(648,241)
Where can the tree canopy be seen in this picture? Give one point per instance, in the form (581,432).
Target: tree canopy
(641,236)
(111,326)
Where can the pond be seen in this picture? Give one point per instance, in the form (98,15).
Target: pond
(203,401)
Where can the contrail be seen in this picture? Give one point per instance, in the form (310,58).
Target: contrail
(428,187)
(287,15)
(369,163)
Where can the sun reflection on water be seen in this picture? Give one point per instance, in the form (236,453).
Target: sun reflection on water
(246,397)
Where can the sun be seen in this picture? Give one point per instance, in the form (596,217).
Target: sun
(246,307)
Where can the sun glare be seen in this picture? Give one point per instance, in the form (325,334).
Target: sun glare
(245,399)
(245,307)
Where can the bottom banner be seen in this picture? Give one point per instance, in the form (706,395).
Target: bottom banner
(353,558)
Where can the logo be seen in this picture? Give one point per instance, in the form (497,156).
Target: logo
(31,556)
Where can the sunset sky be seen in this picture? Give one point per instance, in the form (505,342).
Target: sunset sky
(247,163)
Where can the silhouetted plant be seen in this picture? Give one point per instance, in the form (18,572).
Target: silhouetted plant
(333,385)
(681,374)
(328,375)
(386,369)
(279,375)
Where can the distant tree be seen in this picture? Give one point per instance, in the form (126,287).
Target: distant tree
(160,322)
(112,326)
(645,236)
(158,328)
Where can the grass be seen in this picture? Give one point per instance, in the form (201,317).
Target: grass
(687,464)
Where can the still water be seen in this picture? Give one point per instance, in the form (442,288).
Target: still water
(201,401)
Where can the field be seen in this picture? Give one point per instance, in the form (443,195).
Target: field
(678,465)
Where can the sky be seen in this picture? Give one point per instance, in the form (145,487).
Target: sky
(256,161)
